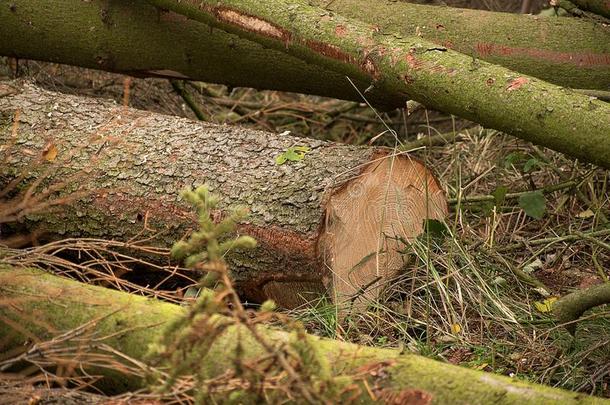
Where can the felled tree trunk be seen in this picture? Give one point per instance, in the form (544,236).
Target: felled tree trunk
(135,38)
(331,217)
(38,302)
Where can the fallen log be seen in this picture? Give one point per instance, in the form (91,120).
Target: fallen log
(330,216)
(39,302)
(135,38)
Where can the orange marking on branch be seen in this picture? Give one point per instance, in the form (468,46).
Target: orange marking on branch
(443,69)
(579,59)
(413,62)
(341,30)
(251,23)
(334,52)
(329,50)
(517,83)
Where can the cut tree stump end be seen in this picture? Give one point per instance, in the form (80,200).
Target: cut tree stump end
(369,218)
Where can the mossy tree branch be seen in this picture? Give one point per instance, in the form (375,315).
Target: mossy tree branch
(524,43)
(130,323)
(430,74)
(570,307)
(133,37)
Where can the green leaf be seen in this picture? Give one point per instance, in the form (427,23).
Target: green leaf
(531,164)
(534,204)
(499,195)
(292,154)
(513,158)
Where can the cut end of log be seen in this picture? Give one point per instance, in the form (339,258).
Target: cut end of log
(370,219)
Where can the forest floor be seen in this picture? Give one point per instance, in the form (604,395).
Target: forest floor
(480,297)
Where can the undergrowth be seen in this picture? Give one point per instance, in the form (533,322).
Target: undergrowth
(260,369)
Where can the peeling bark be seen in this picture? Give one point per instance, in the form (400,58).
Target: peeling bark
(130,323)
(308,216)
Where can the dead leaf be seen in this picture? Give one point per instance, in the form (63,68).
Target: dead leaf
(546,305)
(407,396)
(585,214)
(49,153)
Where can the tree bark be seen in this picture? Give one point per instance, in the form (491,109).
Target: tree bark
(315,219)
(130,323)
(601,7)
(435,76)
(133,37)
